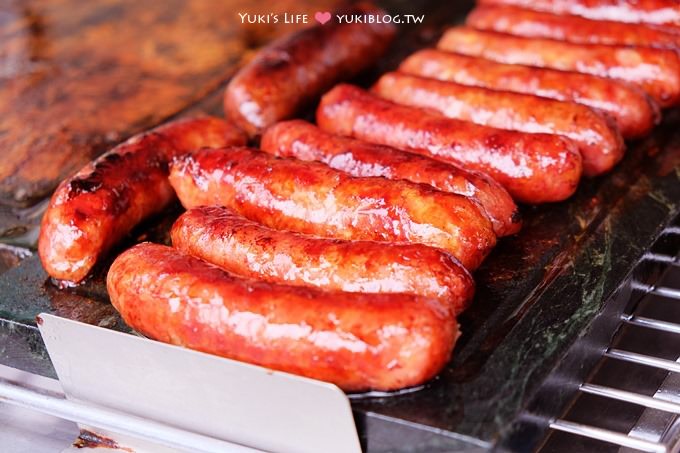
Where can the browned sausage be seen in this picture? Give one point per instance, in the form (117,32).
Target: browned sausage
(300,139)
(290,73)
(534,168)
(634,112)
(356,341)
(597,137)
(536,24)
(249,249)
(93,210)
(659,12)
(657,71)
(312,198)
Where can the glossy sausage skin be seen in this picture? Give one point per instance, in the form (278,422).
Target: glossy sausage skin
(534,168)
(312,198)
(93,210)
(356,341)
(302,140)
(658,12)
(537,24)
(633,111)
(287,75)
(249,249)
(597,137)
(656,71)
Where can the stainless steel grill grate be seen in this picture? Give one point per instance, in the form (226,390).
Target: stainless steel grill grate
(631,401)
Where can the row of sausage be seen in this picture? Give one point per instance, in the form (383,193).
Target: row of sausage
(342,250)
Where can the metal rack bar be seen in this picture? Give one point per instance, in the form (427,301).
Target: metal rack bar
(652,323)
(664,291)
(631,397)
(672,230)
(162,434)
(642,359)
(660,258)
(606,435)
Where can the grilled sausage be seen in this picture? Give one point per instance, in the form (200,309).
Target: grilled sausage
(657,71)
(598,139)
(534,168)
(633,111)
(249,249)
(287,75)
(312,198)
(300,139)
(536,24)
(93,210)
(356,341)
(659,12)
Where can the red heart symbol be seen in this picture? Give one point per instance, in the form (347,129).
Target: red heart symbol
(322,17)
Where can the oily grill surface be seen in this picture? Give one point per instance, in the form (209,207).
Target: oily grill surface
(536,293)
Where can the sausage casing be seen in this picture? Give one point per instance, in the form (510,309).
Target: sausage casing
(597,137)
(633,111)
(249,249)
(356,341)
(290,73)
(656,71)
(658,12)
(94,209)
(312,198)
(537,24)
(302,140)
(534,168)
